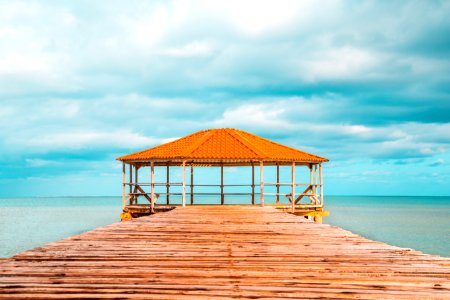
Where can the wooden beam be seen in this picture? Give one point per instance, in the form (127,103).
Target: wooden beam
(253,184)
(278,184)
(293,188)
(261,182)
(167,184)
(152,186)
(140,192)
(305,192)
(222,195)
(183,190)
(192,184)
(123,185)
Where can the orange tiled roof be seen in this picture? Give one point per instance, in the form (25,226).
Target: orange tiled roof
(223,144)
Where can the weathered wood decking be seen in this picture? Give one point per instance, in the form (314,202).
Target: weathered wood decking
(223,252)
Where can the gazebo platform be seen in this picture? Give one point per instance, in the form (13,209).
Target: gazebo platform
(140,210)
(204,252)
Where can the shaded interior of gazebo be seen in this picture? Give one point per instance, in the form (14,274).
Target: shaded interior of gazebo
(220,148)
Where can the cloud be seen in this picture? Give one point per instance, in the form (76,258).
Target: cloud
(261,115)
(349,81)
(89,139)
(340,64)
(36,162)
(190,50)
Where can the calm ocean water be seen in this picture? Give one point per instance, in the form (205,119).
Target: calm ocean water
(421,223)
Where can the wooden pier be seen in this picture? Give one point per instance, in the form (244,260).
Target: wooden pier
(199,252)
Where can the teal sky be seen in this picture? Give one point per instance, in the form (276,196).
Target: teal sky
(363,83)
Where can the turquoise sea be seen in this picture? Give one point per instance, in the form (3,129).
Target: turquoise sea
(421,223)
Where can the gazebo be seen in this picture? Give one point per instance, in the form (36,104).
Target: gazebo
(222,147)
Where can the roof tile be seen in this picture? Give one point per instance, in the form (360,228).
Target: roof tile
(223,144)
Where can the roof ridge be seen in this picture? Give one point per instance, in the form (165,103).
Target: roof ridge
(243,140)
(208,134)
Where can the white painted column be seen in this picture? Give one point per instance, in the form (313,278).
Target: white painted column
(124,199)
(136,174)
(131,183)
(261,182)
(131,178)
(152,186)
(183,191)
(293,188)
(321,185)
(278,185)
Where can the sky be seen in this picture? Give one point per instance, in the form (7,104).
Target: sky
(363,83)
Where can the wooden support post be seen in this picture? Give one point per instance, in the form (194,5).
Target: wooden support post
(253,184)
(278,184)
(167,184)
(316,174)
(136,184)
(222,195)
(136,174)
(293,188)
(192,184)
(152,186)
(311,180)
(131,185)
(124,199)
(321,185)
(131,178)
(261,181)
(183,190)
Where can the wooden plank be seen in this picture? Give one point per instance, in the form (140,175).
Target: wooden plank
(224,252)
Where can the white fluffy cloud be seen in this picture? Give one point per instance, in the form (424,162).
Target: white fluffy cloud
(365,80)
